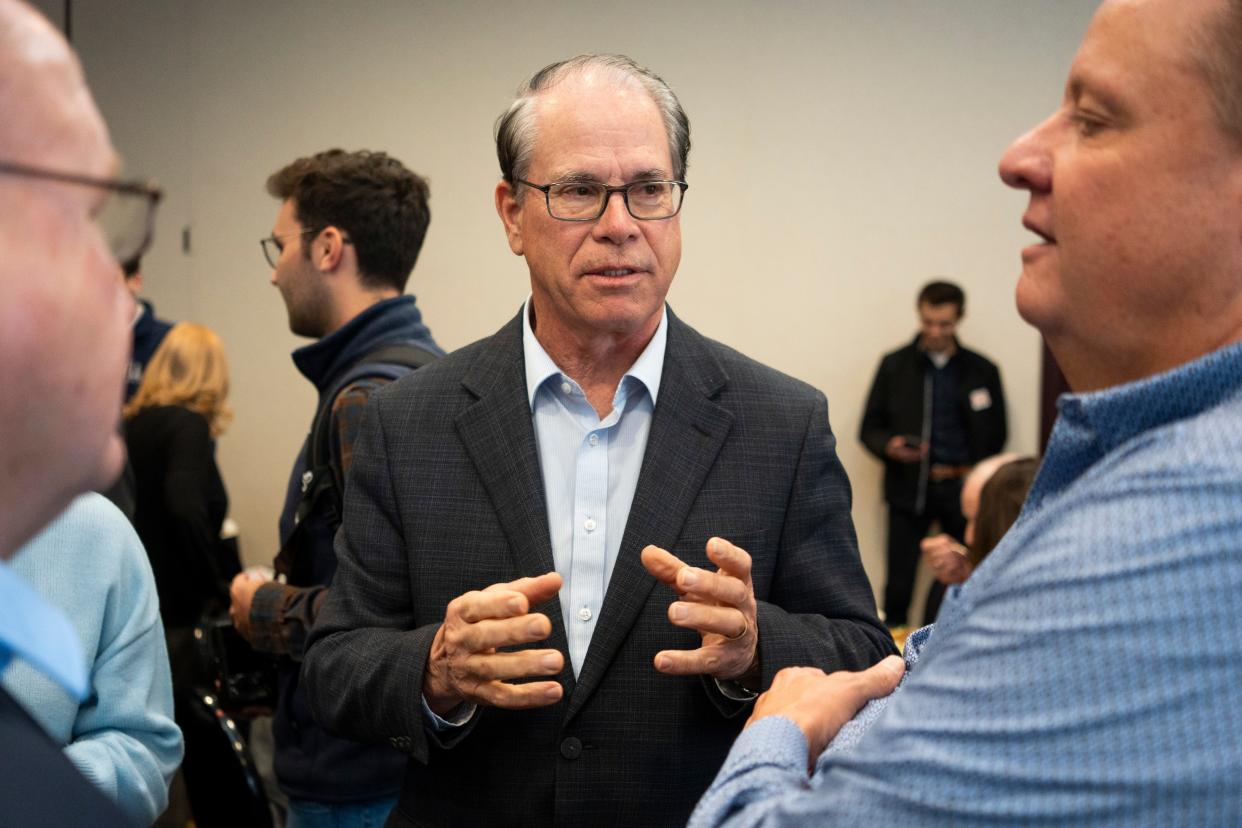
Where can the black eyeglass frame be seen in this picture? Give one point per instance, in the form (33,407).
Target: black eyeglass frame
(623,189)
(146,189)
(276,240)
(280,248)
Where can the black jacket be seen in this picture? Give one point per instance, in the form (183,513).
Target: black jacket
(895,406)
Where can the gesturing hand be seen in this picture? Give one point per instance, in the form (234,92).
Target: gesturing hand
(720,605)
(821,703)
(464,665)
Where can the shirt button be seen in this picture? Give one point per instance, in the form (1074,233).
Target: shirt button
(584,614)
(593,439)
(566,387)
(589,525)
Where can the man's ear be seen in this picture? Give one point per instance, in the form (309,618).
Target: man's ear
(328,249)
(509,208)
(134,283)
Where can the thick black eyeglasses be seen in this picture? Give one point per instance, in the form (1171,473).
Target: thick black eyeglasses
(127,218)
(587,200)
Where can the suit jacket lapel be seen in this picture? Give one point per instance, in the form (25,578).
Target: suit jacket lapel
(687,431)
(499,436)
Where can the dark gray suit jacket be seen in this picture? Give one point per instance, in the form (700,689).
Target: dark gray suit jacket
(445,496)
(38,784)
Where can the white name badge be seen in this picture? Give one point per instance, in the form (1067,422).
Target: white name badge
(980,399)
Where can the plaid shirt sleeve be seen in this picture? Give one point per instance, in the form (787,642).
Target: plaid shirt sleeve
(346,421)
(281,615)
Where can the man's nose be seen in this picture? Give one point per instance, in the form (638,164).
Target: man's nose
(616,224)
(1027,164)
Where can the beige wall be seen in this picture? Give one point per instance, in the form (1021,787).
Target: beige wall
(844,152)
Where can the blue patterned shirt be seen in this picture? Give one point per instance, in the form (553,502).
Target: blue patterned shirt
(1089,672)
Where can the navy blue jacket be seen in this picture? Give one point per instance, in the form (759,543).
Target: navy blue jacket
(149,332)
(310,764)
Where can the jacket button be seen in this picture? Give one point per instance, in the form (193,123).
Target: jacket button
(571,748)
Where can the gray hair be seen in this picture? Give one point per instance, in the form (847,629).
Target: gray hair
(515,128)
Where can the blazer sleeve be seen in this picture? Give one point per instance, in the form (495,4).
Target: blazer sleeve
(364,663)
(819,609)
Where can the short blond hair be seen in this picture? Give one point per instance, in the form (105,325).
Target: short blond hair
(189,370)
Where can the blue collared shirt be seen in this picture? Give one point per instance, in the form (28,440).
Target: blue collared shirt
(1088,671)
(590,471)
(38,633)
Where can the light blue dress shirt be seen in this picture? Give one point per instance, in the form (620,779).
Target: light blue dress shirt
(1088,672)
(39,634)
(590,471)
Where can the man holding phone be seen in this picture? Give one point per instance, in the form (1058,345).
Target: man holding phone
(934,410)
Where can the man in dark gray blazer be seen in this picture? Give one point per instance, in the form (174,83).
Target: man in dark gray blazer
(574,551)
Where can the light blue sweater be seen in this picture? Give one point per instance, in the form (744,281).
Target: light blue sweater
(90,563)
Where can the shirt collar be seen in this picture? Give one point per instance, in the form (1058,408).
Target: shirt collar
(38,633)
(1114,415)
(952,351)
(391,320)
(647,369)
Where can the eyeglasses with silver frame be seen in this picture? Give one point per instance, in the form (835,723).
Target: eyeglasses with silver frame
(127,217)
(587,200)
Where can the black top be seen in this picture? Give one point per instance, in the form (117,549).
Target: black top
(181,504)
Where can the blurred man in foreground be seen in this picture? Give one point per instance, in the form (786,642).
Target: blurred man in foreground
(64,348)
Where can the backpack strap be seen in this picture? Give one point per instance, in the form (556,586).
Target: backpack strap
(319,480)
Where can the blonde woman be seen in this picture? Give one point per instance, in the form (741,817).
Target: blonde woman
(171,424)
(170,427)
